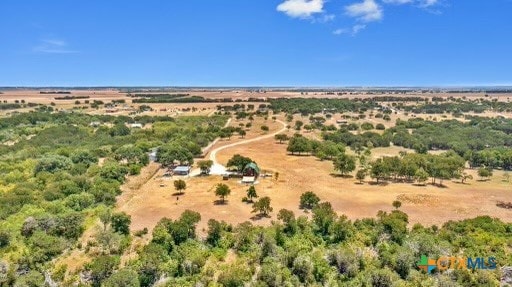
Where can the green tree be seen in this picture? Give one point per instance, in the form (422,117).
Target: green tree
(242,133)
(234,275)
(222,191)
(367,126)
(190,219)
(264,128)
(239,162)
(341,229)
(484,173)
(205,166)
(330,149)
(119,130)
(84,156)
(379,169)
(121,223)
(180,185)
(298,125)
(308,200)
(344,163)
(397,204)
(32,279)
(361,175)
(262,206)
(101,268)
(421,176)
(251,193)
(288,218)
(124,277)
(380,127)
(299,144)
(5,238)
(171,153)
(281,138)
(465,177)
(215,229)
(105,215)
(114,171)
(131,154)
(323,217)
(52,164)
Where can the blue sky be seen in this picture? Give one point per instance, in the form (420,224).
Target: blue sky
(255,43)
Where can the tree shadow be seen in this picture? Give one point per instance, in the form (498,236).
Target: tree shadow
(259,216)
(336,175)
(419,184)
(461,183)
(439,185)
(299,155)
(178,194)
(220,202)
(381,183)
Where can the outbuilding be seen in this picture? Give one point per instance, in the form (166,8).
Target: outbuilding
(250,173)
(182,170)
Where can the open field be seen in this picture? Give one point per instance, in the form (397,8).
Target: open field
(427,205)
(146,201)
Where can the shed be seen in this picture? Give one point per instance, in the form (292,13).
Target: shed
(182,170)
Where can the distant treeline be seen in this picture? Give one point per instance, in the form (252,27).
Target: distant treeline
(460,107)
(158,95)
(399,99)
(499,91)
(54,92)
(72,97)
(181,99)
(9,106)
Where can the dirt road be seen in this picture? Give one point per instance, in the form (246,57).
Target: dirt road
(218,168)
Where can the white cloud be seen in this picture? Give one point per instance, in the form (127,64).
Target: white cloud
(358,28)
(366,11)
(428,3)
(327,18)
(53,46)
(397,2)
(341,31)
(352,31)
(420,3)
(301,8)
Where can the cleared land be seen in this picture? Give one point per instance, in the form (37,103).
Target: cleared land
(427,205)
(149,196)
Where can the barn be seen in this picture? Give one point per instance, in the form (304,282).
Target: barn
(250,173)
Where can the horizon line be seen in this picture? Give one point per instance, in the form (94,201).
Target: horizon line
(327,87)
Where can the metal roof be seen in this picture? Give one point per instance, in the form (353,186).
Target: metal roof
(253,166)
(182,168)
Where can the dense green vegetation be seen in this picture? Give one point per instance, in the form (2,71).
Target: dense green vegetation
(326,250)
(458,106)
(482,141)
(54,185)
(312,106)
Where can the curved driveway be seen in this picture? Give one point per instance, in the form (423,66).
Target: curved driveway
(217,168)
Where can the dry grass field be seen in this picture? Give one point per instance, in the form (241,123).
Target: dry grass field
(149,196)
(427,205)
